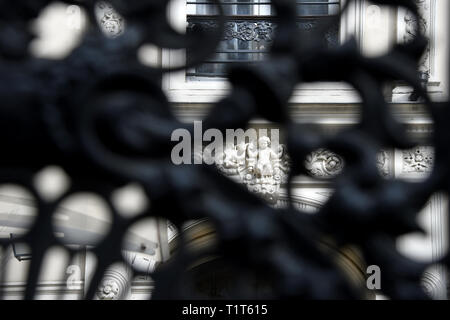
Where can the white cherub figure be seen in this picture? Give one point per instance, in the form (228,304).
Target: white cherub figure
(252,155)
(240,154)
(266,155)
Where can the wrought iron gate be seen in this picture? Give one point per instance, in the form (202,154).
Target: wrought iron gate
(103,117)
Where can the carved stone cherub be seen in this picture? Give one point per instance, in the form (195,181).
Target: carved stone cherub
(241,152)
(266,158)
(252,156)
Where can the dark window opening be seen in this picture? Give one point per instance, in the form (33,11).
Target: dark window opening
(249,30)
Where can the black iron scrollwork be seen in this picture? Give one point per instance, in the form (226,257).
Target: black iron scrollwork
(104,118)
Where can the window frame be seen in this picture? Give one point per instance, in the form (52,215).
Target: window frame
(182,90)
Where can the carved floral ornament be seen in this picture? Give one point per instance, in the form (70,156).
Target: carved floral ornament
(324,163)
(109,290)
(249,31)
(418,160)
(112,24)
(261,30)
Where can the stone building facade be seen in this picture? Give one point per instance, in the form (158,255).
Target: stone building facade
(332,105)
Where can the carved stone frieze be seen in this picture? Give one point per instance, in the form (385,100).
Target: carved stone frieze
(249,31)
(324,163)
(418,160)
(257,30)
(261,168)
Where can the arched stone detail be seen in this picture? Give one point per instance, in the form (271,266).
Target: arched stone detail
(201,234)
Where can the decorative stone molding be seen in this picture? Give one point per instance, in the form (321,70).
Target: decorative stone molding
(258,30)
(418,160)
(244,163)
(258,166)
(305,204)
(324,163)
(115,283)
(241,30)
(112,24)
(109,290)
